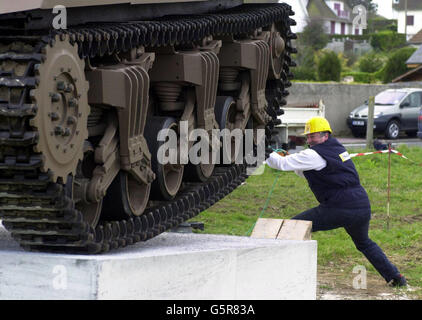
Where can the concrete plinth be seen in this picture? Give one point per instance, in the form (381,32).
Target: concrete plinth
(170,266)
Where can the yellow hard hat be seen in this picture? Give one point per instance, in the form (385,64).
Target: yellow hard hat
(317,124)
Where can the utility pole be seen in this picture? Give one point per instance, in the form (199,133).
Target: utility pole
(405,19)
(388,186)
(370,123)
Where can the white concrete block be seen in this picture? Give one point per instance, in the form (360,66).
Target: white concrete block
(170,266)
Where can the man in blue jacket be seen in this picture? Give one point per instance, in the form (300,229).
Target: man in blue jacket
(335,183)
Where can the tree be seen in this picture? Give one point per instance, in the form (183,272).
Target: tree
(306,69)
(371,62)
(312,39)
(368,4)
(396,64)
(313,35)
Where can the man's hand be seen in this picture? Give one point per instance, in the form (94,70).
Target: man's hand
(282,152)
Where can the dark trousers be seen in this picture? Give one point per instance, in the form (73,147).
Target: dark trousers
(356,224)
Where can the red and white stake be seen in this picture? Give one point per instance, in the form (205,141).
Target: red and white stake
(388,186)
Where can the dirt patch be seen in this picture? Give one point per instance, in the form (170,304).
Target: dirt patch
(411,219)
(336,285)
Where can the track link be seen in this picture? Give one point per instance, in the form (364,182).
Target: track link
(40,214)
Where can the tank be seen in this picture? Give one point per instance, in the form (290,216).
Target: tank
(103,104)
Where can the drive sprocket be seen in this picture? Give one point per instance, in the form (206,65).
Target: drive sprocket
(61,97)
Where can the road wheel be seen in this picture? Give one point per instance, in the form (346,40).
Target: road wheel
(226,115)
(125,198)
(392,130)
(169,173)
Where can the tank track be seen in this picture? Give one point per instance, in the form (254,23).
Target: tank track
(41,215)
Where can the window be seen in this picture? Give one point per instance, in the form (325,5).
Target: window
(409,20)
(415,100)
(333,27)
(405,101)
(356,31)
(337,8)
(389,97)
(343,28)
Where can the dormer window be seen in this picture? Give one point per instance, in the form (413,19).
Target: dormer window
(341,13)
(337,8)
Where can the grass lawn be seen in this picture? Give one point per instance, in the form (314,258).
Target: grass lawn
(237,213)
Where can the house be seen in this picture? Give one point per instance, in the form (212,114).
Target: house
(409,16)
(301,14)
(336,16)
(415,59)
(416,40)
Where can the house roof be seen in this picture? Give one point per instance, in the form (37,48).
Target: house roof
(318,9)
(416,57)
(412,75)
(411,5)
(417,38)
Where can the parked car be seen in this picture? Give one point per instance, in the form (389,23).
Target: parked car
(395,110)
(420,123)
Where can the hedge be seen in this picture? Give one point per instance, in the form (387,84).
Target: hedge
(362,77)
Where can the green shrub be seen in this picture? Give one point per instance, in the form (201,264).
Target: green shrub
(387,40)
(304,73)
(379,75)
(370,62)
(396,64)
(329,66)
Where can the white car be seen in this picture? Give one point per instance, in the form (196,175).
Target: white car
(395,110)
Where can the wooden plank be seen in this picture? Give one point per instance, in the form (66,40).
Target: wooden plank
(295,230)
(267,228)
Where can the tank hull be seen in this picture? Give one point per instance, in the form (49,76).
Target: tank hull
(23,5)
(81,110)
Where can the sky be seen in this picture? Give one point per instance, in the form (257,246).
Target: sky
(384,8)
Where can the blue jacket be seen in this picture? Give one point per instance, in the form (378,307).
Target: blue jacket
(338,184)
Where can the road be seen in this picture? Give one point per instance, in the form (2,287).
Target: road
(359,142)
(349,142)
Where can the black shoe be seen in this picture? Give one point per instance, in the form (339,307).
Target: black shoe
(399,281)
